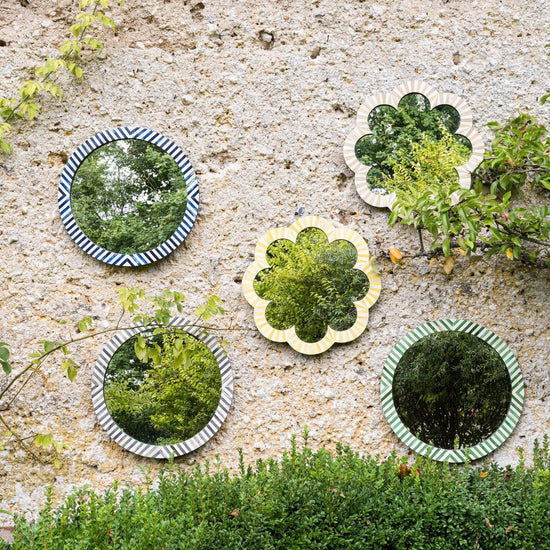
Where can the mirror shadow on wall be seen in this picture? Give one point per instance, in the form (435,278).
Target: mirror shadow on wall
(452,390)
(394,131)
(128,196)
(311,284)
(165,401)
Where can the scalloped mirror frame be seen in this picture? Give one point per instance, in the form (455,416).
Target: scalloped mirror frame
(162,451)
(392,99)
(107,256)
(289,335)
(452,455)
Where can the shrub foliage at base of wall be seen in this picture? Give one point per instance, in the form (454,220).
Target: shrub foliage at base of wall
(310,500)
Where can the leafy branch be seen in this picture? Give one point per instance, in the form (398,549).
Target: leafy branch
(24,104)
(136,308)
(497,215)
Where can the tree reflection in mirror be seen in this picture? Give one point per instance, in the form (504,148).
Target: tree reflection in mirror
(311,284)
(168,403)
(128,196)
(451,390)
(394,130)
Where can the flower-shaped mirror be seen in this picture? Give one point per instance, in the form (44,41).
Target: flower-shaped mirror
(311,285)
(166,403)
(452,390)
(388,128)
(128,196)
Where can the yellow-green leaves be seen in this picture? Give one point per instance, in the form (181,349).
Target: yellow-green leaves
(431,200)
(85,324)
(46,441)
(4,130)
(71,368)
(212,307)
(127,298)
(43,440)
(23,105)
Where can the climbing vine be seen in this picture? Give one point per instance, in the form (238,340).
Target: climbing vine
(134,305)
(25,103)
(508,210)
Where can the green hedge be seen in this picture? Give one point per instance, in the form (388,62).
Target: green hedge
(310,500)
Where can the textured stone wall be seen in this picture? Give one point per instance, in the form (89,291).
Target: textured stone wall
(261,96)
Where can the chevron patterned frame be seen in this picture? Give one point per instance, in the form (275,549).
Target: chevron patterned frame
(392,99)
(107,256)
(364,263)
(452,455)
(162,451)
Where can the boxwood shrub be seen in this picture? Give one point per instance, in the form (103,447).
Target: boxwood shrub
(309,500)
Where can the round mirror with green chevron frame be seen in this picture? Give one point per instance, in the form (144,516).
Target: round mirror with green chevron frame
(452,390)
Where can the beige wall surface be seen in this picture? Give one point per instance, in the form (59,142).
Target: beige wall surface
(261,95)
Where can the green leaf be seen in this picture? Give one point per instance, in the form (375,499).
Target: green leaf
(43,440)
(446,246)
(72,372)
(4,351)
(49,345)
(6,367)
(6,147)
(85,324)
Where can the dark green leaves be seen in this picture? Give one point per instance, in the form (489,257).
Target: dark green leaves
(451,389)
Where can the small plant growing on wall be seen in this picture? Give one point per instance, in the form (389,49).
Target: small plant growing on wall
(154,353)
(311,285)
(507,212)
(24,104)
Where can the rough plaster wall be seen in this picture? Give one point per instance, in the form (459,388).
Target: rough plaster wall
(261,95)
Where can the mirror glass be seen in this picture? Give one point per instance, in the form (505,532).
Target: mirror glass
(451,390)
(168,403)
(395,130)
(311,284)
(128,196)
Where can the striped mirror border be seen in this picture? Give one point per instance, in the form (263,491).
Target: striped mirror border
(392,99)
(452,455)
(107,256)
(364,263)
(162,451)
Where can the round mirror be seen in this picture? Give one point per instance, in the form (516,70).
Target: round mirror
(128,196)
(450,388)
(167,400)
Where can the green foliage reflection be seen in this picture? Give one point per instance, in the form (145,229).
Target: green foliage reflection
(395,130)
(311,284)
(165,403)
(128,196)
(452,389)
